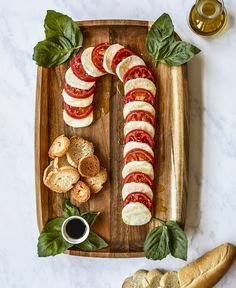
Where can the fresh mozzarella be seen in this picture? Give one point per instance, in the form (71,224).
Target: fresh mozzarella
(138,166)
(126,64)
(77,123)
(137,145)
(132,187)
(140,83)
(138,105)
(89,67)
(77,102)
(143,125)
(74,81)
(136,213)
(108,56)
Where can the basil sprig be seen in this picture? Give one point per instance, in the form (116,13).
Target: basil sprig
(51,242)
(63,40)
(163,47)
(166,239)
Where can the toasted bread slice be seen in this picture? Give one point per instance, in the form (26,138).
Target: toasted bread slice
(136,280)
(60,162)
(96,183)
(89,166)
(59,147)
(78,148)
(62,180)
(47,170)
(80,193)
(152,279)
(170,280)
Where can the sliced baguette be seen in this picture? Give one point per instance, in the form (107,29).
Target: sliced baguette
(152,279)
(61,162)
(170,280)
(78,148)
(207,270)
(47,170)
(59,147)
(80,193)
(89,166)
(62,180)
(136,280)
(96,183)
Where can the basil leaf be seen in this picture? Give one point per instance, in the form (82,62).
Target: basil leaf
(50,241)
(92,243)
(179,53)
(90,217)
(156,245)
(178,240)
(52,52)
(69,210)
(160,34)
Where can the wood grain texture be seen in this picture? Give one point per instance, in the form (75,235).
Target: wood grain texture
(172,140)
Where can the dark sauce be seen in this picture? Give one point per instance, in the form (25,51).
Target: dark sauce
(75,228)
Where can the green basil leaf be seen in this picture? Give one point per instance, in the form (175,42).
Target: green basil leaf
(90,217)
(69,210)
(156,245)
(92,243)
(58,24)
(50,241)
(179,53)
(178,240)
(52,52)
(160,34)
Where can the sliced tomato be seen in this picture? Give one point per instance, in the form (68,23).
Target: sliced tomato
(138,155)
(78,93)
(139,135)
(98,55)
(139,197)
(139,71)
(138,177)
(140,115)
(140,94)
(119,56)
(79,71)
(78,112)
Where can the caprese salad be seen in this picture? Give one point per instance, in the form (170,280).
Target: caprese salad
(139,117)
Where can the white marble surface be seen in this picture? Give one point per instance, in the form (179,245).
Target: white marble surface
(212,191)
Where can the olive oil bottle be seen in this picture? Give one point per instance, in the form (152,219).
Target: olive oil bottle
(207,17)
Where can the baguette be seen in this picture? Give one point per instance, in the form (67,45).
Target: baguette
(80,193)
(96,183)
(152,279)
(89,166)
(59,147)
(136,280)
(208,269)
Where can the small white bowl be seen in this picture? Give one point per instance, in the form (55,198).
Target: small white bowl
(72,240)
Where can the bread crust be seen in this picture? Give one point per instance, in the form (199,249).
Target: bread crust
(59,147)
(89,166)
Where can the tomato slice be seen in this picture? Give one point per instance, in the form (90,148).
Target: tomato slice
(140,94)
(138,155)
(78,93)
(78,69)
(78,112)
(139,71)
(140,115)
(138,177)
(139,135)
(119,56)
(98,55)
(139,197)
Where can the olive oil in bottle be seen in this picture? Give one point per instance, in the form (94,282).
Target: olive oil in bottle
(207,17)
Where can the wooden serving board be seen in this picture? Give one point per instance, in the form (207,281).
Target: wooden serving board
(172,140)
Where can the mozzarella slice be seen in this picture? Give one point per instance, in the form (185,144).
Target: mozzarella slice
(138,105)
(89,67)
(138,166)
(132,187)
(143,125)
(136,213)
(126,64)
(140,83)
(77,123)
(137,145)
(74,81)
(76,102)
(108,56)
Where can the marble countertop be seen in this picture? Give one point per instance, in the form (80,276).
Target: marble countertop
(212,191)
